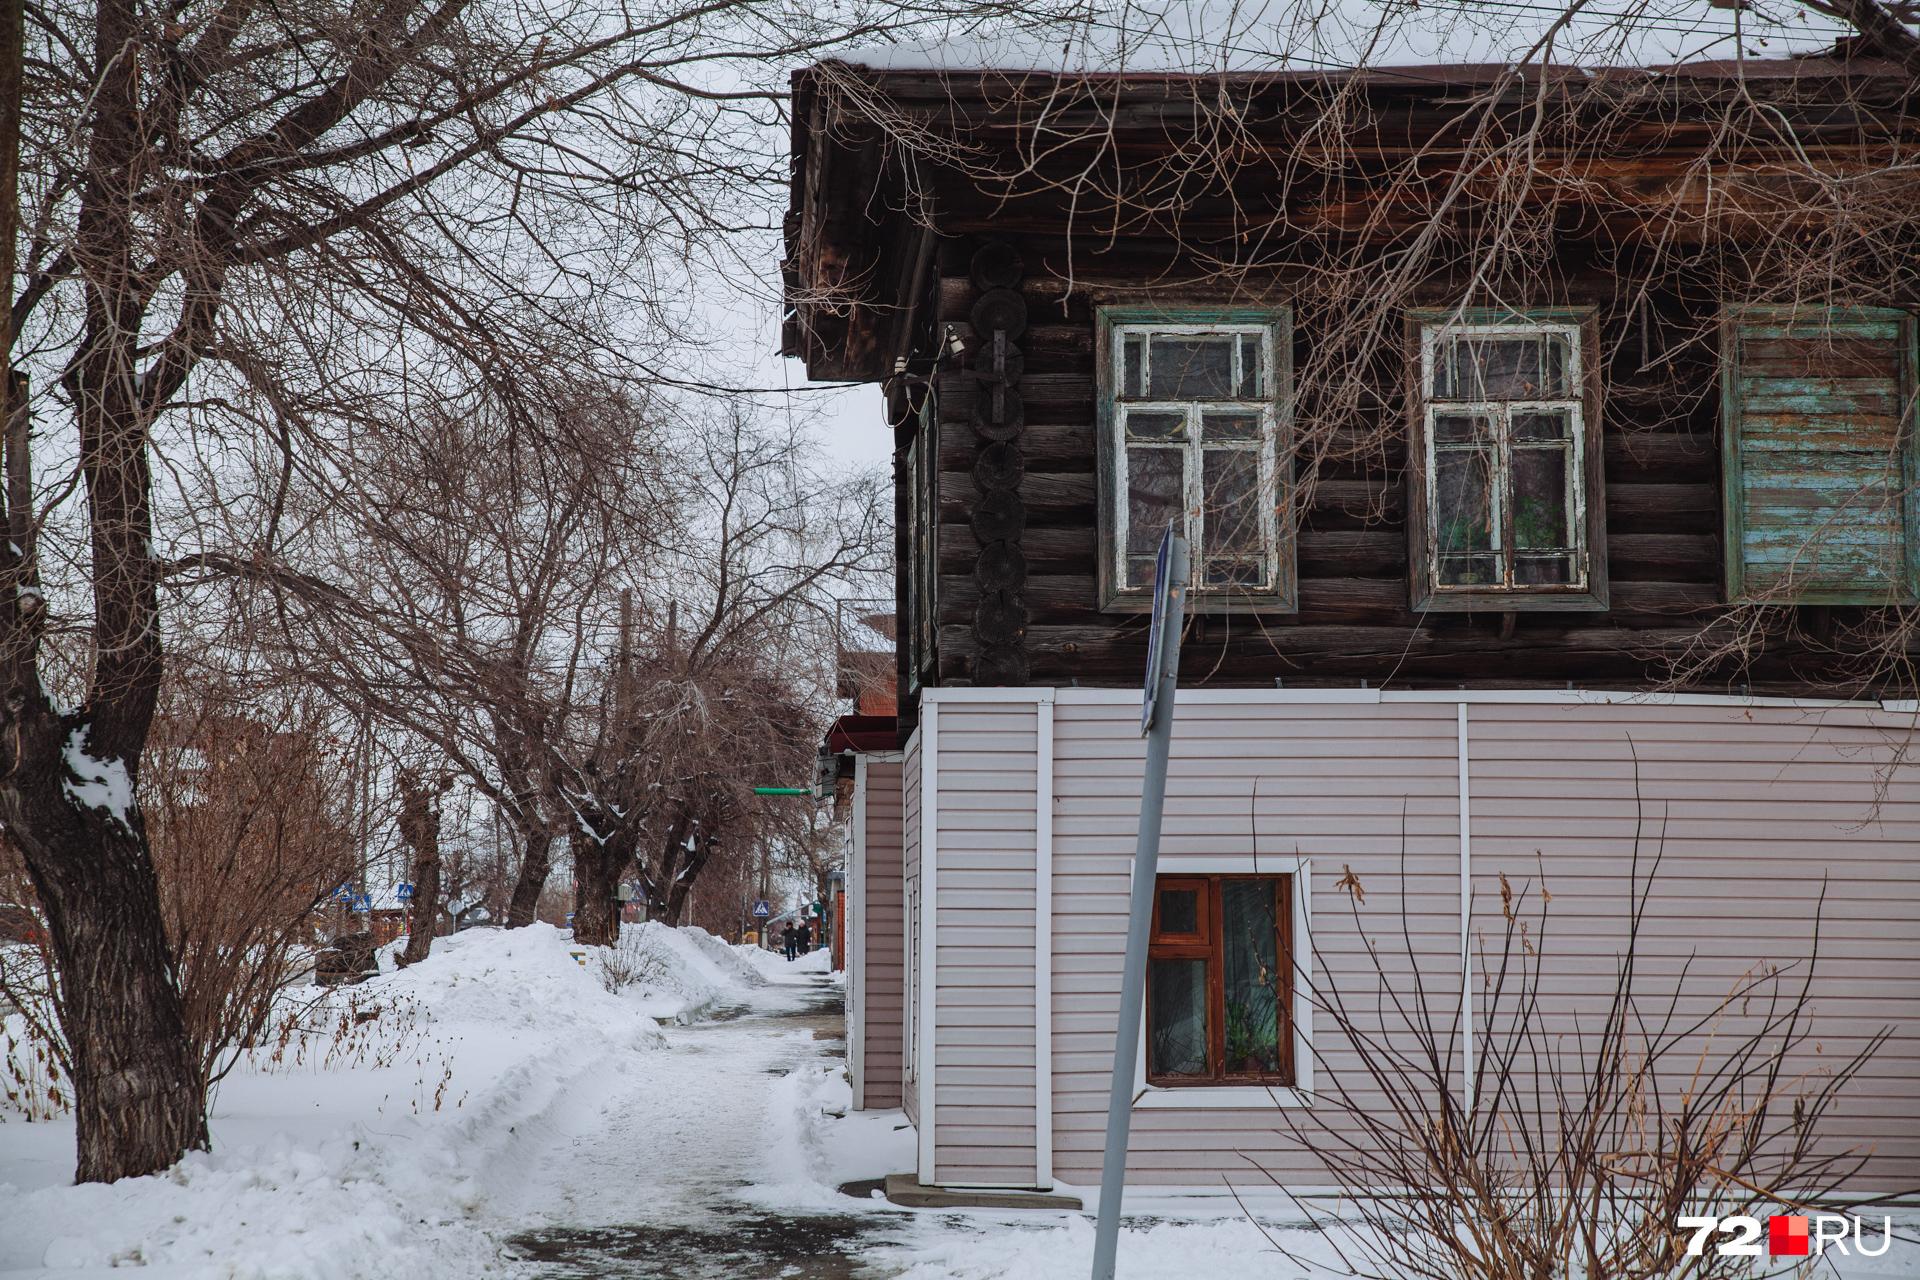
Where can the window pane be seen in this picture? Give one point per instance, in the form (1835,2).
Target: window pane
(1179,911)
(1253,382)
(1192,367)
(1463,509)
(1540,516)
(1130,376)
(1149,424)
(1462,428)
(1230,489)
(1537,571)
(1526,366)
(1177,1018)
(1154,496)
(1247,572)
(1230,426)
(1154,500)
(1534,427)
(1470,571)
(1252,976)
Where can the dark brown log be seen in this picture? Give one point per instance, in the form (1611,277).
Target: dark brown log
(1000,618)
(997,516)
(1000,665)
(999,310)
(996,265)
(998,422)
(1001,566)
(999,466)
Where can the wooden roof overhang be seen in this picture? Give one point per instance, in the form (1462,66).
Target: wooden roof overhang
(860,234)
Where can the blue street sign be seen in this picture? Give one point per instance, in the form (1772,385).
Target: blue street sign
(344,893)
(362,903)
(761,909)
(403,891)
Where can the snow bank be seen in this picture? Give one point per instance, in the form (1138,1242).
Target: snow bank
(773,966)
(368,1139)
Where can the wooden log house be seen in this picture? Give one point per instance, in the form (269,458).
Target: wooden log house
(1468,629)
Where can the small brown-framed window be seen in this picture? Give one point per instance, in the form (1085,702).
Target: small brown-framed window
(1220,981)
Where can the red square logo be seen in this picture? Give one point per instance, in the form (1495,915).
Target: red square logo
(1787,1236)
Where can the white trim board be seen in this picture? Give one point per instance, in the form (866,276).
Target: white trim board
(1043,945)
(1466,917)
(929,986)
(1260,695)
(1147,1097)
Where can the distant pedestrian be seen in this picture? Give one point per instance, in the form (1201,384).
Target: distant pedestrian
(806,938)
(789,939)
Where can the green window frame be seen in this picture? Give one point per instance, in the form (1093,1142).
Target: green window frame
(1506,501)
(1818,460)
(1195,424)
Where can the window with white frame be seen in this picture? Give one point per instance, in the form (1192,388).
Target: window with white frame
(1194,426)
(1503,440)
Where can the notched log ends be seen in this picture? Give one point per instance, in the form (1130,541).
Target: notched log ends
(999,317)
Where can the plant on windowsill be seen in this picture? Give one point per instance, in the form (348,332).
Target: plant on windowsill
(1534,524)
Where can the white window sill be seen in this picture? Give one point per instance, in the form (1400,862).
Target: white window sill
(1244,1097)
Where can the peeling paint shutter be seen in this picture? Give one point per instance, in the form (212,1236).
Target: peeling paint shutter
(1817,436)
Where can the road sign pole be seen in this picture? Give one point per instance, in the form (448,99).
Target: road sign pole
(1163,676)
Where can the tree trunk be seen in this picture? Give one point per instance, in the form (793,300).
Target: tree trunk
(537,864)
(420,828)
(139,1097)
(596,890)
(681,867)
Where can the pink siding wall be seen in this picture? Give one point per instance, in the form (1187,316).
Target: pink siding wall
(985,920)
(881,909)
(1338,783)
(910,894)
(1749,806)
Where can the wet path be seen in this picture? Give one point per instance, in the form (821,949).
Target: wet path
(654,1182)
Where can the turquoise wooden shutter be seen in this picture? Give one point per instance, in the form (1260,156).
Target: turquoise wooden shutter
(1818,462)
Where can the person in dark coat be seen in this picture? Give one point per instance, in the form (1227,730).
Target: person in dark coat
(789,940)
(806,937)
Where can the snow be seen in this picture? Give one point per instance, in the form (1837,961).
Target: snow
(506,1096)
(94,783)
(1340,35)
(384,1159)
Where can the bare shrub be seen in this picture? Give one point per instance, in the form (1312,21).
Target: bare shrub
(245,820)
(248,826)
(1574,1142)
(636,960)
(34,1068)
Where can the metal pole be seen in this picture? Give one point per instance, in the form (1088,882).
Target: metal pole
(1146,861)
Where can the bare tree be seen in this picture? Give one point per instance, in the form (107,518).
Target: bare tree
(728,692)
(1567,1144)
(420,830)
